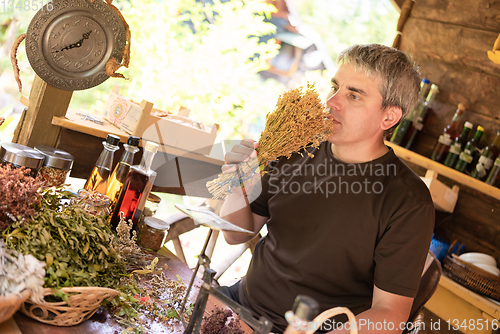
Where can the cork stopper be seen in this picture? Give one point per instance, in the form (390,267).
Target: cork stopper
(460,109)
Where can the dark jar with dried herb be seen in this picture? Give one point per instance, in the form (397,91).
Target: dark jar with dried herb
(56,166)
(17,155)
(153,233)
(93,202)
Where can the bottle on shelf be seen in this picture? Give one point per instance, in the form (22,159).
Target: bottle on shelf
(135,186)
(418,122)
(121,170)
(98,179)
(467,155)
(457,146)
(494,176)
(450,131)
(401,130)
(485,161)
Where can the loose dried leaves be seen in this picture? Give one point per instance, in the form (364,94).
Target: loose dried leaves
(78,248)
(297,122)
(221,321)
(18,194)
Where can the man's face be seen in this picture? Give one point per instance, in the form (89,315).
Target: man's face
(355,107)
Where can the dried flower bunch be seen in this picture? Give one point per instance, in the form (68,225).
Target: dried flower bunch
(18,194)
(19,272)
(298,121)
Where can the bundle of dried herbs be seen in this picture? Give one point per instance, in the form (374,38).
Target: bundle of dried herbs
(77,247)
(221,321)
(18,195)
(298,121)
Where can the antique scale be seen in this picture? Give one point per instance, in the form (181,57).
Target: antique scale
(69,42)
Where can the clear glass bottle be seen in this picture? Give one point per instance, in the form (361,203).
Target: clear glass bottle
(418,122)
(135,186)
(466,156)
(485,161)
(303,312)
(98,179)
(406,124)
(121,170)
(457,146)
(446,139)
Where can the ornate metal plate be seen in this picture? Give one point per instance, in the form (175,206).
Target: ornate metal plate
(68,42)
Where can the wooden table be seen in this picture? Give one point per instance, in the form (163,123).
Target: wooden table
(21,324)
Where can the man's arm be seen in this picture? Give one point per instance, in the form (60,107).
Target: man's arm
(388,314)
(236,207)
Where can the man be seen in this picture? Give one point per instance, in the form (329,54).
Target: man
(351,226)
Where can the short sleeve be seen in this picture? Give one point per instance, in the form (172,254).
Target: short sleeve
(401,252)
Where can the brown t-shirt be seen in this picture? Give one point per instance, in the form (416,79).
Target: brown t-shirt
(335,230)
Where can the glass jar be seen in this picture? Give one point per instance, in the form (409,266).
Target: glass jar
(56,166)
(153,233)
(18,155)
(93,202)
(150,207)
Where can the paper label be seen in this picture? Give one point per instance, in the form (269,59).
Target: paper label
(487,162)
(445,139)
(455,148)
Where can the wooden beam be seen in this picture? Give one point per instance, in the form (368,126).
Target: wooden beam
(398,4)
(45,101)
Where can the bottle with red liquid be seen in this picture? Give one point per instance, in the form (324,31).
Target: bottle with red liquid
(135,186)
(450,132)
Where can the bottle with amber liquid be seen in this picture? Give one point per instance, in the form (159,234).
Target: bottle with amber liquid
(121,170)
(451,131)
(98,179)
(457,146)
(135,187)
(467,155)
(485,161)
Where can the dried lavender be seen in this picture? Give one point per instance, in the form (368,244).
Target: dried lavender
(297,122)
(18,195)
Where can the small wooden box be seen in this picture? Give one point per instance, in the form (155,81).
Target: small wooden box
(444,197)
(177,131)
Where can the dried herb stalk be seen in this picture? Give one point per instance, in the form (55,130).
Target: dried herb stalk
(297,122)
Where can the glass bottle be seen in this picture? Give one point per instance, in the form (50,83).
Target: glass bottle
(466,156)
(401,130)
(486,159)
(121,170)
(494,176)
(135,186)
(98,179)
(450,131)
(457,146)
(303,312)
(418,122)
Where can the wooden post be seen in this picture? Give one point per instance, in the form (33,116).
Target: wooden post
(45,101)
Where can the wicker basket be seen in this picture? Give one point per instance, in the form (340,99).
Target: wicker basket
(470,276)
(10,304)
(83,302)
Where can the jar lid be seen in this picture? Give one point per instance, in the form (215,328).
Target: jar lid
(55,157)
(21,155)
(156,223)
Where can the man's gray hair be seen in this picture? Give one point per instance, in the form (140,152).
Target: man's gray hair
(399,74)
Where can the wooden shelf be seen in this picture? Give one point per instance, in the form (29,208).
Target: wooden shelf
(445,171)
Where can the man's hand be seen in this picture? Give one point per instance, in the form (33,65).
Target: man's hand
(244,152)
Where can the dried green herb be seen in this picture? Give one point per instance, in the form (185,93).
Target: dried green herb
(79,249)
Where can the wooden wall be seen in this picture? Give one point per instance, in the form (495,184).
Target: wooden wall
(449,39)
